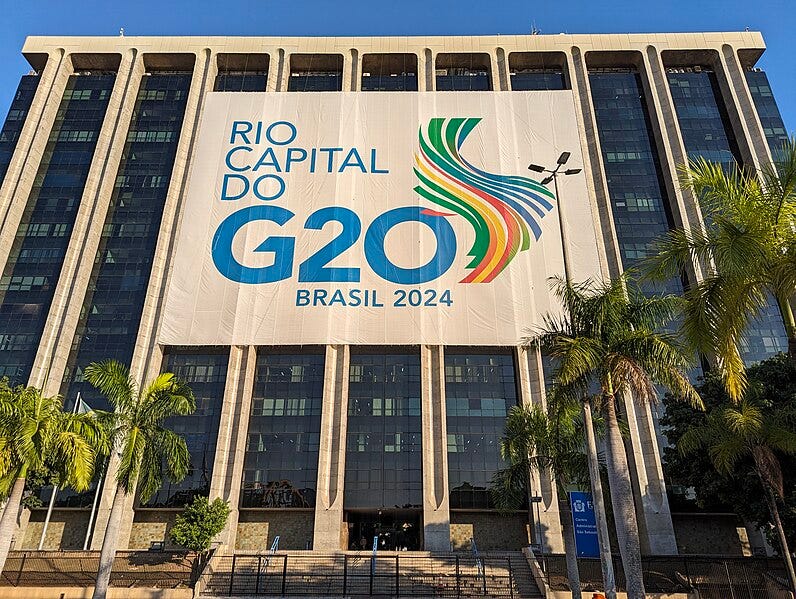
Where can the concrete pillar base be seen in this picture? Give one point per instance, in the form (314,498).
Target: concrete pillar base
(436,512)
(329,533)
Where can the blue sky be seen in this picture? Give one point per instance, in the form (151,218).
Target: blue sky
(775,18)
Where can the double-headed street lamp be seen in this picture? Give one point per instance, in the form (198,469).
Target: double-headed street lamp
(594,472)
(553,176)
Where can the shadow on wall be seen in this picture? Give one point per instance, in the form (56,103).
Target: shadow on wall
(492,532)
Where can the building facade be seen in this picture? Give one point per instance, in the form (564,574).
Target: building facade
(330,445)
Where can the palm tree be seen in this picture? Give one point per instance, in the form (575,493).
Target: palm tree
(753,428)
(35,429)
(746,250)
(553,444)
(608,337)
(142,446)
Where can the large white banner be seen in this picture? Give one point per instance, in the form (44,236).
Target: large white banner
(376,218)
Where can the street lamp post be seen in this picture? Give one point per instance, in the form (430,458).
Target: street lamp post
(553,175)
(606,560)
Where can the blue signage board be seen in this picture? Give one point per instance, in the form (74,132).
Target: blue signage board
(585,524)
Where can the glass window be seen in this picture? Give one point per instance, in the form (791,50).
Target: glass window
(531,71)
(703,119)
(384,461)
(206,374)
(29,278)
(463,72)
(537,79)
(252,81)
(112,308)
(281,464)
(315,73)
(767,110)
(389,72)
(640,207)
(479,392)
(707,133)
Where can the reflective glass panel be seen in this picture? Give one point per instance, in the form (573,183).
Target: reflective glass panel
(479,392)
(111,313)
(635,186)
(533,80)
(241,82)
(707,133)
(29,278)
(206,374)
(281,464)
(384,462)
(767,110)
(15,119)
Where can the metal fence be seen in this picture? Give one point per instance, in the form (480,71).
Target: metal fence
(712,577)
(151,569)
(449,576)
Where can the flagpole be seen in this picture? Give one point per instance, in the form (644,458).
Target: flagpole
(55,490)
(93,512)
(49,514)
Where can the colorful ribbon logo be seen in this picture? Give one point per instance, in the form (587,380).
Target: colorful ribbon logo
(503,210)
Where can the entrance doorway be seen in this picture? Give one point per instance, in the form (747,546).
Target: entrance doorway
(398,530)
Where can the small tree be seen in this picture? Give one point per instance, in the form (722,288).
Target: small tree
(144,448)
(197,526)
(747,248)
(37,434)
(608,337)
(548,442)
(756,428)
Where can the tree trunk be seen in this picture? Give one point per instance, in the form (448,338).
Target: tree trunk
(789,322)
(606,559)
(783,542)
(8,521)
(622,501)
(109,542)
(573,575)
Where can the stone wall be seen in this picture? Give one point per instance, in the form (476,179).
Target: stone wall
(67,529)
(490,531)
(152,525)
(257,528)
(715,534)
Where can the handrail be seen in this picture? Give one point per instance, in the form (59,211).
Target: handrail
(478,563)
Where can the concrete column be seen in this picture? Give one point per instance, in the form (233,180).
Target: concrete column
(499,83)
(146,347)
(503,70)
(652,506)
(328,532)
(532,392)
(671,148)
(232,434)
(436,494)
(421,71)
(429,59)
(656,530)
(147,354)
(283,74)
(276,66)
(607,243)
(30,147)
(352,71)
(644,453)
(741,109)
(62,320)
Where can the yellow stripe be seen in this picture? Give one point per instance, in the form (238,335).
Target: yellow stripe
(483,208)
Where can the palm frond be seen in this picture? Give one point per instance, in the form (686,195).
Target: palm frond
(176,457)
(134,449)
(113,380)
